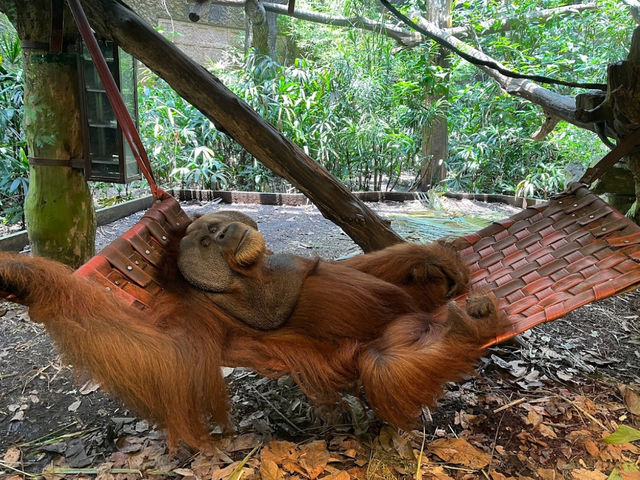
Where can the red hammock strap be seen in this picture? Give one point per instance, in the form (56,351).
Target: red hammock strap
(115,98)
(624,147)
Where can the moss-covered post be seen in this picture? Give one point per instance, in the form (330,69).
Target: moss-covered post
(58,207)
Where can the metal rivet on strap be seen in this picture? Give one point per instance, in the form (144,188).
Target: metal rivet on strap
(604,229)
(164,237)
(626,241)
(129,267)
(117,282)
(560,202)
(573,214)
(147,252)
(575,204)
(591,216)
(137,262)
(108,289)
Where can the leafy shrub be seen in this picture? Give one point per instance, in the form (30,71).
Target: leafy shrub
(14,166)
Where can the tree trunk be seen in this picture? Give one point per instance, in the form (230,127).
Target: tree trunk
(633,161)
(618,111)
(435,138)
(58,207)
(113,19)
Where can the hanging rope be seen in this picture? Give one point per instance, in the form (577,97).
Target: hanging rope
(115,99)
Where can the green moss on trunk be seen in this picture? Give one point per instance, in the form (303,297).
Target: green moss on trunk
(58,208)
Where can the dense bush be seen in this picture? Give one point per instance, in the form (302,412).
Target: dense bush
(14,166)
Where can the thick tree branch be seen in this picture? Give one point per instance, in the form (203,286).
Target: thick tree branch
(204,91)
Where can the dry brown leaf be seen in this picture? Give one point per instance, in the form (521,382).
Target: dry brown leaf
(357,473)
(225,472)
(269,471)
(11,457)
(314,457)
(247,441)
(583,474)
(293,467)
(548,474)
(184,472)
(632,401)
(592,448)
(403,446)
(278,451)
(386,437)
(578,435)
(337,476)
(534,416)
(350,452)
(586,405)
(546,431)
(499,476)
(436,473)
(630,475)
(459,451)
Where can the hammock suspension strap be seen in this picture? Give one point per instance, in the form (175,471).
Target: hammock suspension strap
(115,98)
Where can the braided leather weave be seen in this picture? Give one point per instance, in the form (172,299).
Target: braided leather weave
(553,258)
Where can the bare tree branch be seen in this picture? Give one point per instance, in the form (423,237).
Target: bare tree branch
(506,24)
(401,35)
(561,106)
(546,128)
(407,37)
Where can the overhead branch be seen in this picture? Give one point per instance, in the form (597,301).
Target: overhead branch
(401,35)
(497,25)
(546,128)
(113,19)
(406,37)
(634,8)
(559,106)
(555,104)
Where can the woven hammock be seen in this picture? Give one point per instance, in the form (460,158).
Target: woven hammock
(541,263)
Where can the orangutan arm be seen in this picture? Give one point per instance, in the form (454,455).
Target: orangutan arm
(431,273)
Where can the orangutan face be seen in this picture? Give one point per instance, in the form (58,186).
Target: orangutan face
(217,247)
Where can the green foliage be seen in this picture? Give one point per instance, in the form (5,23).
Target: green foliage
(623,434)
(14,166)
(339,115)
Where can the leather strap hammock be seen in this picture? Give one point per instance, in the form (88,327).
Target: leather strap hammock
(541,263)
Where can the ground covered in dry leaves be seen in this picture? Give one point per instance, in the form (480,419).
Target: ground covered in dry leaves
(542,407)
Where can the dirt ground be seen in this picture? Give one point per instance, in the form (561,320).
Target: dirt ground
(539,407)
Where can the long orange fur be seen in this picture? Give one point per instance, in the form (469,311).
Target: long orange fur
(379,323)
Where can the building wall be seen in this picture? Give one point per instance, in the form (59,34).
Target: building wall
(219,30)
